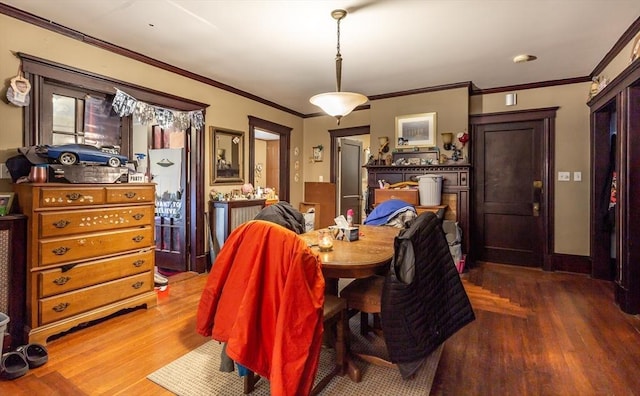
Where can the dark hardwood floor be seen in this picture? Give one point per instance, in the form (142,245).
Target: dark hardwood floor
(536,333)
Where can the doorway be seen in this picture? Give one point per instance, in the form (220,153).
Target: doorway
(346,169)
(513,187)
(350,180)
(275,139)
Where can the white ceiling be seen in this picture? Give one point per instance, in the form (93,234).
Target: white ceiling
(283,50)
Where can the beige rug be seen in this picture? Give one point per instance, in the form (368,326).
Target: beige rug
(196,374)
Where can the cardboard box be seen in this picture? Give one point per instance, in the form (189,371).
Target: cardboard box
(87,174)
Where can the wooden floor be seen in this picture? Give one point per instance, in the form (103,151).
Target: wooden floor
(535,333)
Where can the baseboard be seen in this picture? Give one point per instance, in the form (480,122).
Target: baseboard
(571,263)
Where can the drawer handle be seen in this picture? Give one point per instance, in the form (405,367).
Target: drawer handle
(74,196)
(137,285)
(137,238)
(61,280)
(138,263)
(138,216)
(61,307)
(61,223)
(61,250)
(130,194)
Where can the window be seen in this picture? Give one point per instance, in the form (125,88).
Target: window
(77,116)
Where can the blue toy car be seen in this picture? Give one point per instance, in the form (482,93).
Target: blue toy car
(70,154)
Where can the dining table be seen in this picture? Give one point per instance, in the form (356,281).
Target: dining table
(369,255)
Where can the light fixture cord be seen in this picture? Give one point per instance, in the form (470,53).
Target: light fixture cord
(338,62)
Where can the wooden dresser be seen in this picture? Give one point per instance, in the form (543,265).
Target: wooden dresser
(90,253)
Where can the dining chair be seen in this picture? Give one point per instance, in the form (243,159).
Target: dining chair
(265,298)
(421,300)
(334,314)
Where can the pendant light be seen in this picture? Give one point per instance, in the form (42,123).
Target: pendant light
(338,104)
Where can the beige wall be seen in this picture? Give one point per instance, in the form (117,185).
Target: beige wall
(228,110)
(571,205)
(225,109)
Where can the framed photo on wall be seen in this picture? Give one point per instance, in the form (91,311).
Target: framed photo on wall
(317,153)
(416,130)
(6,200)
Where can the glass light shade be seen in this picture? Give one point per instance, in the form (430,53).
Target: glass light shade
(338,104)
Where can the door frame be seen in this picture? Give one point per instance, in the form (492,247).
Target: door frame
(336,134)
(547,116)
(285,139)
(340,133)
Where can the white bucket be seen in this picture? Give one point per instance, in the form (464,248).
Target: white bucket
(430,188)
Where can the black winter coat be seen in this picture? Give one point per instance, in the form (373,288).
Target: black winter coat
(423,300)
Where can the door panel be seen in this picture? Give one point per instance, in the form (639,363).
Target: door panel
(351,178)
(509,212)
(170,220)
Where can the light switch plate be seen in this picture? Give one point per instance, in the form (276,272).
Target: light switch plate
(4,172)
(564,176)
(577,176)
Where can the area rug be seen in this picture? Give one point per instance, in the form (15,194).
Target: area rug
(197,374)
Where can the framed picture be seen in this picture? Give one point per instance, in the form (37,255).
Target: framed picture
(6,200)
(416,130)
(317,153)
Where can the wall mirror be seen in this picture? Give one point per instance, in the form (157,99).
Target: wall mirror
(227,156)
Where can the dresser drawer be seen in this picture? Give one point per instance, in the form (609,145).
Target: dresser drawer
(71,196)
(409,195)
(56,281)
(63,223)
(130,194)
(81,247)
(75,302)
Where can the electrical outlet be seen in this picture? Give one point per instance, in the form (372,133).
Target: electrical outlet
(564,176)
(577,176)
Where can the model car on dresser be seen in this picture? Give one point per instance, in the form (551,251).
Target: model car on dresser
(70,154)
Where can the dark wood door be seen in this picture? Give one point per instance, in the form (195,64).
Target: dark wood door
(171,198)
(509,202)
(350,159)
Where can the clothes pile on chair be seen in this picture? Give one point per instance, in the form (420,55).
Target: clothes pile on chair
(393,212)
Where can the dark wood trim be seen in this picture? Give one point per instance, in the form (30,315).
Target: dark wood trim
(541,84)
(548,115)
(626,78)
(88,80)
(15,256)
(627,36)
(444,87)
(285,145)
(335,134)
(195,185)
(571,263)
(56,28)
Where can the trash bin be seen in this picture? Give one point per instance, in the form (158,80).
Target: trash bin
(430,189)
(4,320)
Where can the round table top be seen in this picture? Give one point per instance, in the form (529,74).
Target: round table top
(367,256)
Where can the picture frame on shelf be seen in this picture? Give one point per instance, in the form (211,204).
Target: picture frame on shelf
(416,130)
(6,201)
(317,153)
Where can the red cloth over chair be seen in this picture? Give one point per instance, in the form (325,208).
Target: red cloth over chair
(264,297)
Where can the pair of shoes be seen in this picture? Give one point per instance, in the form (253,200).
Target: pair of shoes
(16,364)
(160,280)
(13,365)
(35,354)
